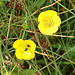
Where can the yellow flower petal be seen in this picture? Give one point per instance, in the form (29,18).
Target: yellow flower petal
(54,29)
(57,20)
(51,12)
(47,30)
(31,44)
(19,54)
(28,55)
(46,14)
(17,43)
(41,16)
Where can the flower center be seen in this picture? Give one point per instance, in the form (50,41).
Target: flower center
(48,22)
(26,48)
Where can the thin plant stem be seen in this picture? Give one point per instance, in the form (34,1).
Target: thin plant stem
(42,54)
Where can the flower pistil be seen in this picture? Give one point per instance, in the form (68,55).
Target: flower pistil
(48,22)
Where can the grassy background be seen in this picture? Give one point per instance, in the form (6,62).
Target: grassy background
(18,20)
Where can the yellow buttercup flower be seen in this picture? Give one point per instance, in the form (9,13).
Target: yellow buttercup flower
(24,49)
(49,22)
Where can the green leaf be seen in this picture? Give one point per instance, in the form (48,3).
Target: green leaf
(25,26)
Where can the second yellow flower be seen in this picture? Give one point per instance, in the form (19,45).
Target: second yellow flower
(49,22)
(24,49)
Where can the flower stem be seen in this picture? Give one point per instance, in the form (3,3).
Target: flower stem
(42,53)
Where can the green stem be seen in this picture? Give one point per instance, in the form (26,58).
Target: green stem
(1,60)
(53,56)
(65,8)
